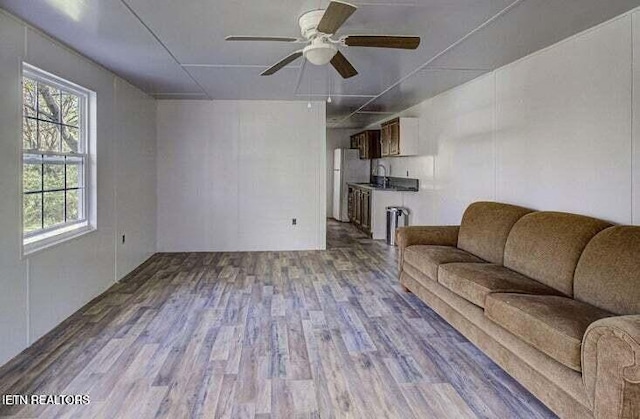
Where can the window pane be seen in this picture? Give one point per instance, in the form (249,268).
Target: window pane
(48,103)
(53,176)
(32,212)
(74,205)
(75,176)
(29,134)
(69,139)
(53,173)
(49,135)
(70,109)
(29,97)
(53,208)
(31,177)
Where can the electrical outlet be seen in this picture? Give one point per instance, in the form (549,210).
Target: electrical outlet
(294,221)
(123,238)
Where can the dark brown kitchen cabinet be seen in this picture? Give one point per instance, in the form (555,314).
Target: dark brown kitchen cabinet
(357,210)
(365,221)
(390,138)
(354,142)
(394,137)
(359,214)
(368,143)
(384,140)
(399,137)
(362,145)
(359,202)
(351,203)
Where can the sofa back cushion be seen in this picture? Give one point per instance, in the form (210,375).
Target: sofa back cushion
(608,273)
(546,246)
(485,227)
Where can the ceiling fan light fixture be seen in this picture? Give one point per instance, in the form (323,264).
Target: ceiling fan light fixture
(320,53)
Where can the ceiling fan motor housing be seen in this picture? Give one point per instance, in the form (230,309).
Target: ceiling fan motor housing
(309,23)
(320,51)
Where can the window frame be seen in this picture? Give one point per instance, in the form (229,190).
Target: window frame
(44,238)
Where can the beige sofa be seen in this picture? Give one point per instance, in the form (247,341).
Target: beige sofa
(553,298)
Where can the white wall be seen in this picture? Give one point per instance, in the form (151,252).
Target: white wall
(552,131)
(135,171)
(232,175)
(336,138)
(40,291)
(563,134)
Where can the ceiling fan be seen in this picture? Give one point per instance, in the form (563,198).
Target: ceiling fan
(317,28)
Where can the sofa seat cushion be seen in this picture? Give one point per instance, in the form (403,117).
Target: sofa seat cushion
(428,258)
(552,324)
(474,281)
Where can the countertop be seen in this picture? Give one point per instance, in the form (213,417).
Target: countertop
(373,187)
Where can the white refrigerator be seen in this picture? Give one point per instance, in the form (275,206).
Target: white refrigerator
(347,168)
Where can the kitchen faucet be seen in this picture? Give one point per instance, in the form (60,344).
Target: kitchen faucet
(384,178)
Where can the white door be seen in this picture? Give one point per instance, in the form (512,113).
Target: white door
(337,183)
(337,158)
(337,195)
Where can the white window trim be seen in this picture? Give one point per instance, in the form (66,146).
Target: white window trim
(54,236)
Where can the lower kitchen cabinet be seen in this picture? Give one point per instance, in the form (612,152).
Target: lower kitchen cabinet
(351,203)
(368,209)
(359,202)
(365,202)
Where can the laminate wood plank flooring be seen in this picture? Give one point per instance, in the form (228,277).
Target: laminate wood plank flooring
(317,334)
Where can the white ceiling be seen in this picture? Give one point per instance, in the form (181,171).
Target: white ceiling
(175,49)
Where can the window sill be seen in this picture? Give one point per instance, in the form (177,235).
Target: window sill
(39,244)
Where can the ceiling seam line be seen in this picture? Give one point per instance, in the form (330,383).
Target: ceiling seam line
(176,94)
(197,83)
(165,47)
(441,53)
(335,95)
(389,4)
(234,66)
(454,69)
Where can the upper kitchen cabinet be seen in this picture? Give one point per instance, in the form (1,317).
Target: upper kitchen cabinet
(399,137)
(368,142)
(354,142)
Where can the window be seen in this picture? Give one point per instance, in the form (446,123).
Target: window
(55,158)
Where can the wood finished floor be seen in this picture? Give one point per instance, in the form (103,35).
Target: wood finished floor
(266,334)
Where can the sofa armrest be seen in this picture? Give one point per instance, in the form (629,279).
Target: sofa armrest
(611,366)
(434,235)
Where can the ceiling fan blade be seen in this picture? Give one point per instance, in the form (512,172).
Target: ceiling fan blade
(336,14)
(282,63)
(383,41)
(261,38)
(343,66)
